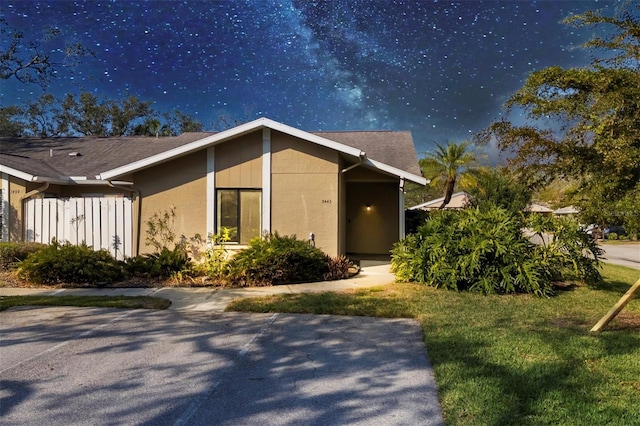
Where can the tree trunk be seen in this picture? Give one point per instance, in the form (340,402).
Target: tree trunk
(448,192)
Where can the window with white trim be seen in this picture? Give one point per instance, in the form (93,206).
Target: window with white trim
(238,211)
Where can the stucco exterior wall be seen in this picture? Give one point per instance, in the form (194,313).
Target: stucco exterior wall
(181,183)
(17,189)
(238,163)
(305,191)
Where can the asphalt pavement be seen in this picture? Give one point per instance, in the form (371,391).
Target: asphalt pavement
(622,254)
(79,366)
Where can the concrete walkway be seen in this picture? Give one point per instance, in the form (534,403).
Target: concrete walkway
(216,299)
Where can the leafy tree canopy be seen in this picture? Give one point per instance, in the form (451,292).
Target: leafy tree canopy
(583,123)
(88,115)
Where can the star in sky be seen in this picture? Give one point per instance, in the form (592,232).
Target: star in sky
(439,69)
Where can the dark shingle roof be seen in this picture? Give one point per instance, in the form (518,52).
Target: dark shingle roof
(50,157)
(96,154)
(30,166)
(394,148)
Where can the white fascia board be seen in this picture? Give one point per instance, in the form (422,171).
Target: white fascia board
(17,173)
(396,172)
(313,138)
(85,181)
(183,150)
(223,136)
(62,180)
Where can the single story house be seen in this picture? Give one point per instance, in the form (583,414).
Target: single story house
(539,209)
(458,201)
(569,210)
(344,190)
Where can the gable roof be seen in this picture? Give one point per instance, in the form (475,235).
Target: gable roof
(106,159)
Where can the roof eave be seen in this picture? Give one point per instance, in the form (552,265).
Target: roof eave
(16,173)
(223,136)
(397,172)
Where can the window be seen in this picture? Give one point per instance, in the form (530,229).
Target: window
(239,211)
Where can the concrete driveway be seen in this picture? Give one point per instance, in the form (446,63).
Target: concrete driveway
(73,366)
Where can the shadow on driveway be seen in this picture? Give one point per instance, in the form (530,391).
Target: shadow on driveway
(107,366)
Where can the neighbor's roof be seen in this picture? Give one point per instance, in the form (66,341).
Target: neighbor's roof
(45,159)
(458,201)
(566,210)
(537,208)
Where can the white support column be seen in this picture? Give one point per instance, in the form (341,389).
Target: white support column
(4,208)
(266,179)
(402,230)
(211,191)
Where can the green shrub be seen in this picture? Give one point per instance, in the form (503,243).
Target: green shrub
(566,251)
(273,260)
(473,249)
(11,254)
(164,264)
(612,236)
(215,259)
(67,263)
(485,250)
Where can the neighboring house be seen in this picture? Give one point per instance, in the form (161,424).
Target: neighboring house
(345,188)
(458,200)
(570,210)
(538,208)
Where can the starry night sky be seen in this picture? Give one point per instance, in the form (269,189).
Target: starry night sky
(440,69)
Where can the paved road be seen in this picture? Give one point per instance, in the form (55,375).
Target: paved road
(78,366)
(622,254)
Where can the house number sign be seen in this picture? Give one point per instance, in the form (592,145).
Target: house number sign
(326,201)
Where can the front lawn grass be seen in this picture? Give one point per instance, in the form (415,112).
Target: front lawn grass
(515,359)
(127,302)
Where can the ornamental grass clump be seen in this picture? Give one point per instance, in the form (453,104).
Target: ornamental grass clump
(484,250)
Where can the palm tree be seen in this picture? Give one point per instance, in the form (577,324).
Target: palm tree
(447,164)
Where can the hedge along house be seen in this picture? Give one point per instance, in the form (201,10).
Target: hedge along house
(345,188)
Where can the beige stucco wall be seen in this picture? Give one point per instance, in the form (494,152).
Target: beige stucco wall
(238,163)
(17,189)
(181,183)
(305,191)
(375,230)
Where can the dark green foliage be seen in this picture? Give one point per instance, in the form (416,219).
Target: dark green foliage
(13,253)
(163,264)
(485,250)
(338,268)
(497,187)
(566,251)
(273,260)
(472,249)
(67,263)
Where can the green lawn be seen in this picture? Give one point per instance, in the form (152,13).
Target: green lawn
(511,359)
(137,302)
